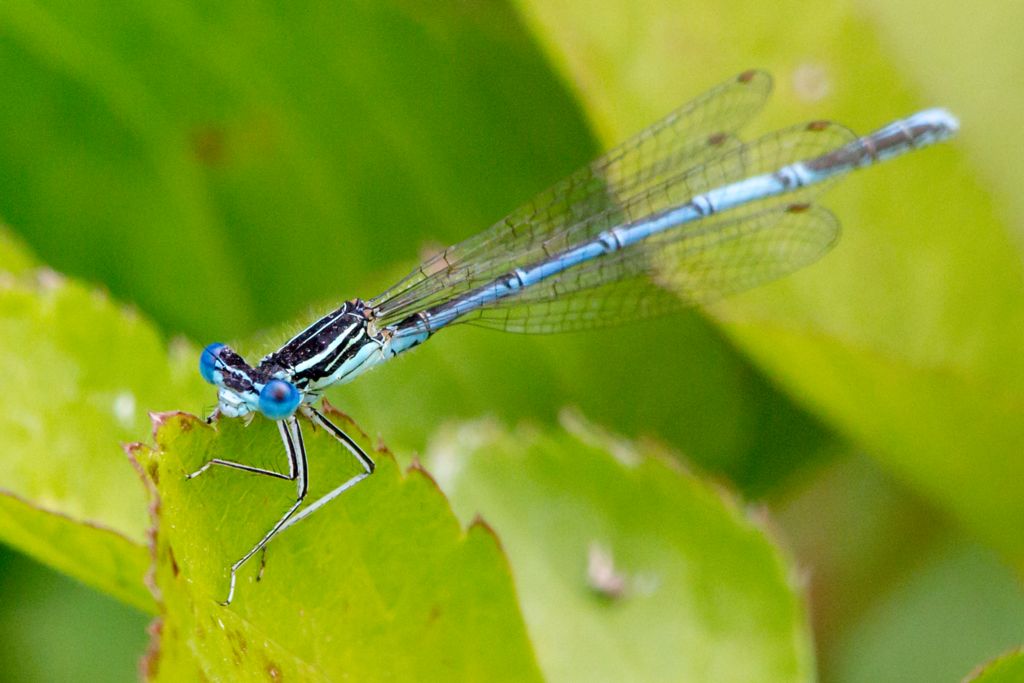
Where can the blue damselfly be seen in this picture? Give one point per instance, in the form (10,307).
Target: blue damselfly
(681,214)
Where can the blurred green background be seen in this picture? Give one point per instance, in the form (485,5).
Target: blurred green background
(227,168)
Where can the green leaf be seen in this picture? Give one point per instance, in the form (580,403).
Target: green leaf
(627,567)
(382,584)
(908,336)
(956,606)
(1008,668)
(96,555)
(54,628)
(223,168)
(15,258)
(86,371)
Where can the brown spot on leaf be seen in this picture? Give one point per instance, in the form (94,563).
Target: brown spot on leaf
(238,646)
(716,139)
(273,673)
(175,570)
(208,145)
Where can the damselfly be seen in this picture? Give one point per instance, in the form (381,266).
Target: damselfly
(681,214)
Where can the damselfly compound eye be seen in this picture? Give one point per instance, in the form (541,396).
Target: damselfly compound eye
(278,399)
(208,361)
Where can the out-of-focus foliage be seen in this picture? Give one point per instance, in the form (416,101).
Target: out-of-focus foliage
(683,585)
(96,555)
(957,607)
(55,629)
(15,257)
(87,370)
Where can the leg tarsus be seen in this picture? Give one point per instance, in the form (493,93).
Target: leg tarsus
(231,591)
(241,466)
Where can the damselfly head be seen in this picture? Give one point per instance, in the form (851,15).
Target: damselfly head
(243,389)
(209,360)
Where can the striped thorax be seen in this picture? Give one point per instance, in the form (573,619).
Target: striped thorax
(333,350)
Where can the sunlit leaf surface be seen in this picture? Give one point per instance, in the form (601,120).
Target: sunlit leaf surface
(381,584)
(627,567)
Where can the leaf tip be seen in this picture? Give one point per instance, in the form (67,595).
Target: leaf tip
(132,448)
(481,524)
(185,421)
(416,468)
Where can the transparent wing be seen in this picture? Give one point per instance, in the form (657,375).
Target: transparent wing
(636,282)
(693,267)
(687,138)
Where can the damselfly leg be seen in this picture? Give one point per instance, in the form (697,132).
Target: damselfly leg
(358,453)
(291,435)
(292,469)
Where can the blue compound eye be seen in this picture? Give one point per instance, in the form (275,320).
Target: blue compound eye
(278,399)
(208,361)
